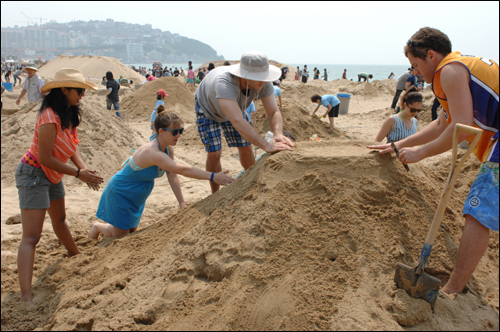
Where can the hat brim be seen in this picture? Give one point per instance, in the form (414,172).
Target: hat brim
(35,69)
(68,84)
(270,75)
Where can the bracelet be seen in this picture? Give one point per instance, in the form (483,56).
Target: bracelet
(77,173)
(212,177)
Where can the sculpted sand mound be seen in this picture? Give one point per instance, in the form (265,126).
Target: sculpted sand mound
(304,240)
(105,140)
(142,102)
(92,67)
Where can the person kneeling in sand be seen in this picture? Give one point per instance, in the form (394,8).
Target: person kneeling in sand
(332,104)
(123,200)
(404,124)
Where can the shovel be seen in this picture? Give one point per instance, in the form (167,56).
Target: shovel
(414,280)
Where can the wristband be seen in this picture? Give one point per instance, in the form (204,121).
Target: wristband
(77,173)
(212,177)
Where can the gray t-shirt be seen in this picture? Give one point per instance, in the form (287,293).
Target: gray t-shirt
(222,84)
(402,81)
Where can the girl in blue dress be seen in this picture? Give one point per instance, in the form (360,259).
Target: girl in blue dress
(123,200)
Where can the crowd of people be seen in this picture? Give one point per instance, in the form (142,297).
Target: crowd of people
(223,95)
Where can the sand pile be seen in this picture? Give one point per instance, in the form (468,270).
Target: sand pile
(305,240)
(105,140)
(92,67)
(180,100)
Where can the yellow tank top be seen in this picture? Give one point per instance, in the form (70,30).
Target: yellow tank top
(484,86)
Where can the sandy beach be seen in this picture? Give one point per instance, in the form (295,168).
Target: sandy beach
(304,240)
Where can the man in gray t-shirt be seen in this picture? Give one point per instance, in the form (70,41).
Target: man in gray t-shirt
(400,86)
(221,101)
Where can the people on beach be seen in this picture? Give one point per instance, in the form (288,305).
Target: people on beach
(112,98)
(190,79)
(17,76)
(299,74)
(132,185)
(40,171)
(220,100)
(304,74)
(200,75)
(391,76)
(325,75)
(365,77)
(344,75)
(277,93)
(252,114)
(467,88)
(402,125)
(316,73)
(332,104)
(400,86)
(160,100)
(32,85)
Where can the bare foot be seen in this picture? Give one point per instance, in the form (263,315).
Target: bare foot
(28,302)
(94,233)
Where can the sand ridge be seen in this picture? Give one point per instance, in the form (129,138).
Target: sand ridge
(307,239)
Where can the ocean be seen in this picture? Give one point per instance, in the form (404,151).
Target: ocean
(379,72)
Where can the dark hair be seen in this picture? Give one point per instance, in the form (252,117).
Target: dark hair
(190,67)
(412,95)
(160,109)
(427,39)
(109,75)
(158,97)
(370,76)
(56,100)
(227,63)
(289,135)
(315,98)
(103,78)
(211,66)
(164,119)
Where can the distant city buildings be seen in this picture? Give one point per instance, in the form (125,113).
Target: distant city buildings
(127,42)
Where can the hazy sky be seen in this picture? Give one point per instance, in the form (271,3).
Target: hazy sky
(292,32)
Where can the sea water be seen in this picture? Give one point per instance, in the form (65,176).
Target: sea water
(379,72)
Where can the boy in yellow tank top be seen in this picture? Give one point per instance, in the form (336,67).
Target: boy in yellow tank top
(467,88)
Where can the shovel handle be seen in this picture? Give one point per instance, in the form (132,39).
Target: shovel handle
(452,176)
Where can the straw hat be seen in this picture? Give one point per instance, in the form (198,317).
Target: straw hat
(68,78)
(255,66)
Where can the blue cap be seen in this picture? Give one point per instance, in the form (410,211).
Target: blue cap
(344,95)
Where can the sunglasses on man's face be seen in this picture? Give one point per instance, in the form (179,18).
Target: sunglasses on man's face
(175,131)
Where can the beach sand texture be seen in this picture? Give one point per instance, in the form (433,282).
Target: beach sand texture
(304,240)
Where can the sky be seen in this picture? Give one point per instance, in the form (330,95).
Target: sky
(291,32)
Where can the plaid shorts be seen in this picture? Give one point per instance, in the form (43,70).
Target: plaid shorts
(210,132)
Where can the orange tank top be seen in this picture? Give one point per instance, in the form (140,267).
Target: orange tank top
(65,144)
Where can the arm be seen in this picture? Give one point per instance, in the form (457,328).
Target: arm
(18,101)
(455,83)
(314,112)
(279,98)
(328,109)
(385,129)
(163,161)
(47,134)
(276,121)
(233,112)
(254,118)
(173,179)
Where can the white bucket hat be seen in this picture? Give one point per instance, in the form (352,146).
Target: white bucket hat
(255,66)
(68,78)
(31,66)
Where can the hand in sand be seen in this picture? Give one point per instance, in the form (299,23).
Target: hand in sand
(283,139)
(384,148)
(223,179)
(410,155)
(90,178)
(18,102)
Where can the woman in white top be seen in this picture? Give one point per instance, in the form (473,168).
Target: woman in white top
(403,124)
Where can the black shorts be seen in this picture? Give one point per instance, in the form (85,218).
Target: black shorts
(304,79)
(334,112)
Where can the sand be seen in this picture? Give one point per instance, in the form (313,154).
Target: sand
(304,240)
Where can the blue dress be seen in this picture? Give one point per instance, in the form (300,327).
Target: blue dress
(122,201)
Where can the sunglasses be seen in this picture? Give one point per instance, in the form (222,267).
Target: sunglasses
(413,110)
(175,131)
(80,91)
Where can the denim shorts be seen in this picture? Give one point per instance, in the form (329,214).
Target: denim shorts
(210,132)
(482,201)
(116,105)
(34,188)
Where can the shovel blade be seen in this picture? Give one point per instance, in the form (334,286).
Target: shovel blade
(422,286)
